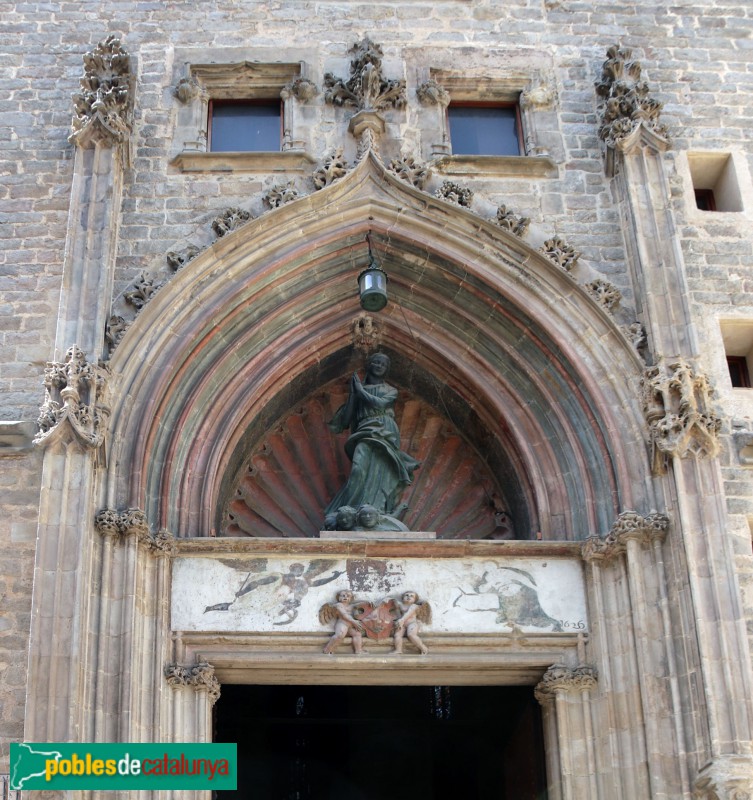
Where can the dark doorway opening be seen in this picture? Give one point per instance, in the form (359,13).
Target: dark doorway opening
(383,742)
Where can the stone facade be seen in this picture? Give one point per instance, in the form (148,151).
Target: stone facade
(576,293)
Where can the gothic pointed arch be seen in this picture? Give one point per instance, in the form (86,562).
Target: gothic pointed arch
(497,342)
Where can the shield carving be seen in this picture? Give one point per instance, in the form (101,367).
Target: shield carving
(378,619)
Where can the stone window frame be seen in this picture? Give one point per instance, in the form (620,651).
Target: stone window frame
(237,80)
(521,90)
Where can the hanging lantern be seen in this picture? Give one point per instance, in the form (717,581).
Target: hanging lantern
(372,284)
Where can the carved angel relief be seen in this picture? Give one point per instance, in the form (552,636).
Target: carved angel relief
(399,619)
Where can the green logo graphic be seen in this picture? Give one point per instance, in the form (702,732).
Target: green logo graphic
(62,766)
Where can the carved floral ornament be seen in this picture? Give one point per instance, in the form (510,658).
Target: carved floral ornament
(627,103)
(628,526)
(76,400)
(677,404)
(104,106)
(366,89)
(200,677)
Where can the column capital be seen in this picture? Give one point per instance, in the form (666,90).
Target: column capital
(199,676)
(629,526)
(561,678)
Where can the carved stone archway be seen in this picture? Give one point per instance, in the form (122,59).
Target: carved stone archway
(254,323)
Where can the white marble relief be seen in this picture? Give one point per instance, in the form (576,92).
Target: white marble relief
(477,595)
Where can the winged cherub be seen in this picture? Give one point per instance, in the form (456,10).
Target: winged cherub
(341,613)
(414,612)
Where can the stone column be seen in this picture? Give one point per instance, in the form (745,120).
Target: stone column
(74,414)
(131,628)
(564,692)
(637,662)
(195,691)
(713,679)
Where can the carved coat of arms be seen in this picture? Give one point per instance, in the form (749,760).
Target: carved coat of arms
(378,619)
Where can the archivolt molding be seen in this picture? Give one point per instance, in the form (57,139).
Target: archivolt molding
(628,526)
(200,677)
(76,400)
(333,169)
(467,294)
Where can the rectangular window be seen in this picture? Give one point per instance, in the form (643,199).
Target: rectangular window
(245,126)
(484,130)
(738,372)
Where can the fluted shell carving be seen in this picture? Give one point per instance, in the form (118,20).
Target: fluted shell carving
(297,468)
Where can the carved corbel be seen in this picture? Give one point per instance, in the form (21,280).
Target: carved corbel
(104,106)
(200,677)
(76,400)
(301,88)
(677,404)
(163,543)
(430,93)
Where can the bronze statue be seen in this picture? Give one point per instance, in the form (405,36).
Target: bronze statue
(380,470)
(414,612)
